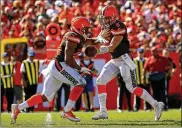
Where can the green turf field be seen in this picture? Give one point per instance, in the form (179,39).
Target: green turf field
(141,119)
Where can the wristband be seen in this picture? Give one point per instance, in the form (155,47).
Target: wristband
(103,49)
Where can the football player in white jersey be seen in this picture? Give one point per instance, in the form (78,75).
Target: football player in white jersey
(63,69)
(121,62)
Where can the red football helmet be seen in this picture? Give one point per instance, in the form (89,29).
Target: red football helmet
(81,25)
(108,15)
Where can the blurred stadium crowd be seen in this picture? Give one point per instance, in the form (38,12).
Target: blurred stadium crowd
(149,22)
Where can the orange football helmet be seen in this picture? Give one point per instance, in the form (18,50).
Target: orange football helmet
(108,15)
(81,25)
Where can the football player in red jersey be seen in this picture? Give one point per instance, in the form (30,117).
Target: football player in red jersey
(121,62)
(63,69)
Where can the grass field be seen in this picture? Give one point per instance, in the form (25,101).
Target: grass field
(141,119)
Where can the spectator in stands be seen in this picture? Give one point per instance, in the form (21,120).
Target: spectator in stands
(169,74)
(27,26)
(157,66)
(13,33)
(8,13)
(17,79)
(4,30)
(27,23)
(39,41)
(149,11)
(65,15)
(7,72)
(40,29)
(120,97)
(153,36)
(76,10)
(86,7)
(143,38)
(140,61)
(64,27)
(16,27)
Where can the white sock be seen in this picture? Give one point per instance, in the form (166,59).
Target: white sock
(147,97)
(102,101)
(23,106)
(69,105)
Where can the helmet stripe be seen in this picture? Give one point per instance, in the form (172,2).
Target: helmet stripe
(102,13)
(118,32)
(73,39)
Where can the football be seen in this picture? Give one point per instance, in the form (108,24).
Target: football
(90,51)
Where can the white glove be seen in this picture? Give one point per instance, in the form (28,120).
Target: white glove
(85,70)
(100,39)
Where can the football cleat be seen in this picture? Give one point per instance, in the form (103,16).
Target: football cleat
(70,116)
(15,111)
(100,115)
(119,110)
(158,110)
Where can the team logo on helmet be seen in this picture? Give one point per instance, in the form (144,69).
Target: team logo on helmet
(108,16)
(81,25)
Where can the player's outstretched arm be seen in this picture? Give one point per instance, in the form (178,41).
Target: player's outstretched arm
(100,39)
(113,44)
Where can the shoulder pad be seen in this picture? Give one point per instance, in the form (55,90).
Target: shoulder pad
(118,32)
(118,28)
(71,36)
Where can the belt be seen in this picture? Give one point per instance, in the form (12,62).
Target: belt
(119,58)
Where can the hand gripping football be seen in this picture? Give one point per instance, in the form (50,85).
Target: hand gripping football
(91,51)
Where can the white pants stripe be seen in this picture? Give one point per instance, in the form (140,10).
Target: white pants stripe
(54,79)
